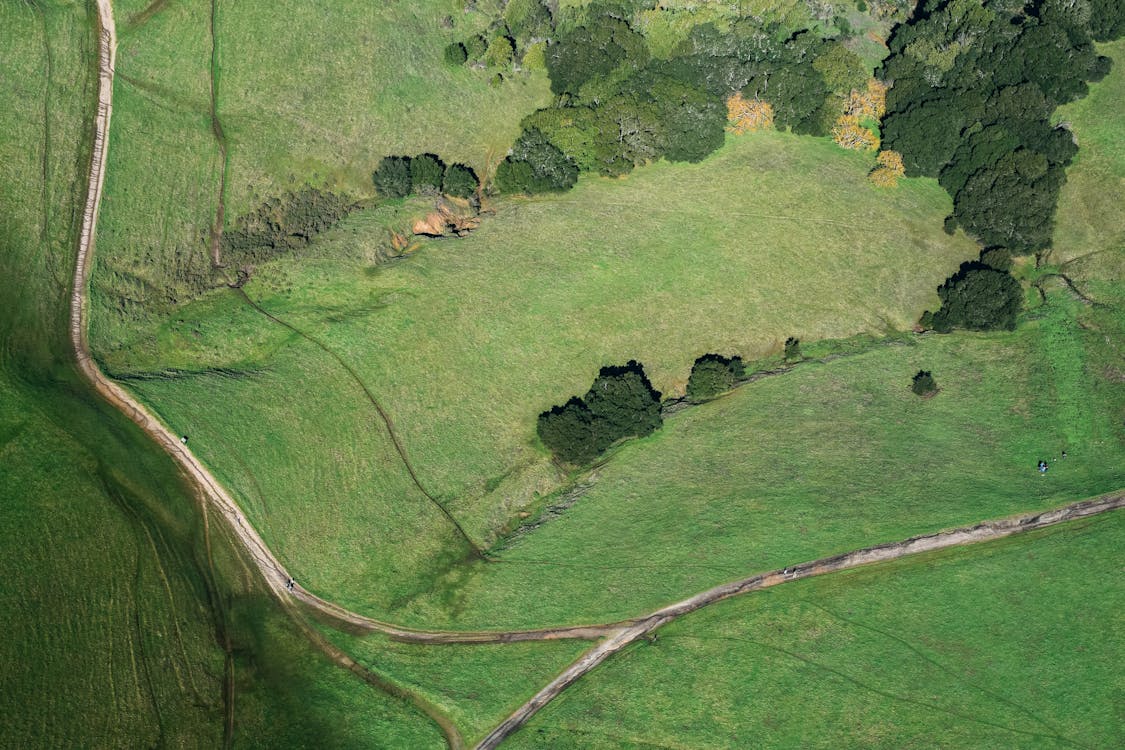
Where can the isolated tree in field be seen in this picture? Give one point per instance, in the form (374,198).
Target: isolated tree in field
(392,178)
(888,168)
(923,383)
(747,115)
(792,348)
(426,173)
(713,374)
(459,181)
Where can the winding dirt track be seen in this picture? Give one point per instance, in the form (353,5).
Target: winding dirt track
(615,636)
(982,532)
(271,568)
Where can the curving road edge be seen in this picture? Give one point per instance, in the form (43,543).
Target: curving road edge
(273,572)
(616,636)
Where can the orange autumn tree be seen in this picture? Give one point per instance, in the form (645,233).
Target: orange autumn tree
(855,129)
(849,133)
(888,169)
(747,115)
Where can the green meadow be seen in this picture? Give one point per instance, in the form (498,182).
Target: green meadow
(125,622)
(1015,643)
(290,113)
(465,342)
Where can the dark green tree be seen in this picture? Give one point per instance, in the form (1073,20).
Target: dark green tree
(978,298)
(392,178)
(569,431)
(792,348)
(426,173)
(535,166)
(459,181)
(713,374)
(624,404)
(923,383)
(585,53)
(621,403)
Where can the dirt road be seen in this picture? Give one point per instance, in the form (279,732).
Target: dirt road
(982,532)
(616,636)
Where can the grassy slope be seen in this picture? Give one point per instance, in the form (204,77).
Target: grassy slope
(1090,228)
(111,613)
(293,112)
(1016,643)
(465,343)
(821,460)
(475,685)
(1091,215)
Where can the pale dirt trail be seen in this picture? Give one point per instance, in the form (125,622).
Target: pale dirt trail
(273,572)
(616,636)
(982,532)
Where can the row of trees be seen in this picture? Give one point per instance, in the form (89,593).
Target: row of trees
(426,174)
(618,107)
(622,403)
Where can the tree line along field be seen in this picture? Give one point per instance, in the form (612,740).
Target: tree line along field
(115,611)
(1010,644)
(465,343)
(446,338)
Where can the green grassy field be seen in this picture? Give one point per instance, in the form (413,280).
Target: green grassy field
(292,113)
(477,686)
(466,342)
(821,460)
(1016,643)
(122,617)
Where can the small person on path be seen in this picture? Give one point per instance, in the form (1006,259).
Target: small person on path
(183,439)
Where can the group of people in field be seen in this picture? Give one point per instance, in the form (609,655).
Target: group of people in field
(1043,465)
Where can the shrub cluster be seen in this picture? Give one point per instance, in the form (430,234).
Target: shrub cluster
(620,403)
(508,39)
(975,83)
(619,107)
(399,176)
(713,374)
(284,223)
(923,383)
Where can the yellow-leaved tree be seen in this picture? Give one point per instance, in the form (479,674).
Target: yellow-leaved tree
(888,168)
(747,115)
(849,133)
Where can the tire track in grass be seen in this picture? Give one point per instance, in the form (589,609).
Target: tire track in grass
(873,687)
(221,140)
(383,415)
